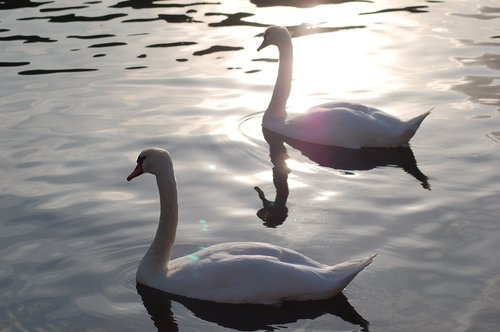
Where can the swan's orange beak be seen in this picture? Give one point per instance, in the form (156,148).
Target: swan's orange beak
(263,45)
(136,172)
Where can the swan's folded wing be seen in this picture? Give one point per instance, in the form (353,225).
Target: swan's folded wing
(260,279)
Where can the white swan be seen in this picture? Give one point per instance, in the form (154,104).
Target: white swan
(340,124)
(237,272)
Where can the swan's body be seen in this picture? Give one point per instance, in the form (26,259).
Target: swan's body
(338,123)
(237,272)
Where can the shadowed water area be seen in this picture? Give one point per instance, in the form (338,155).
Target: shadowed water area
(86,85)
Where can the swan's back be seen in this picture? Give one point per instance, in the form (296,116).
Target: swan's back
(347,125)
(257,273)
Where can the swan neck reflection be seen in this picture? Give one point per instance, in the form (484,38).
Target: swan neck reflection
(274,213)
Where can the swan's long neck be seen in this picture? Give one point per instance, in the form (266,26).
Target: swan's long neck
(158,255)
(277,106)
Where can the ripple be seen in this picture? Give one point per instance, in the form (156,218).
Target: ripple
(153,4)
(488,60)
(123,263)
(115,195)
(91,36)
(409,9)
(250,128)
(298,3)
(17,4)
(234,20)
(184,43)
(216,49)
(480,89)
(46,10)
(495,136)
(169,18)
(29,39)
(265,60)
(306,29)
(54,71)
(485,13)
(13,64)
(136,67)
(74,18)
(114,44)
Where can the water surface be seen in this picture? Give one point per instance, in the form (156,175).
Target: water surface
(87,85)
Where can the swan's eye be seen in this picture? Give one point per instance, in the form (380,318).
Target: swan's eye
(140,160)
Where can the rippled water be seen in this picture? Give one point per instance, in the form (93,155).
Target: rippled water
(86,85)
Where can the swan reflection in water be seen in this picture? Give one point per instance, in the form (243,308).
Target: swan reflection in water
(274,213)
(245,317)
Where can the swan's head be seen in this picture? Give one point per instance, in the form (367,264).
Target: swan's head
(151,160)
(274,35)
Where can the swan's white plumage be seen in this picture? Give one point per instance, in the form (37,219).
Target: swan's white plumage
(234,272)
(337,123)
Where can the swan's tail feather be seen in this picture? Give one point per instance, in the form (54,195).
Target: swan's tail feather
(355,265)
(346,271)
(412,126)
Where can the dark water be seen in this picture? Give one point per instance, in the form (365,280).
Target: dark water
(86,85)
